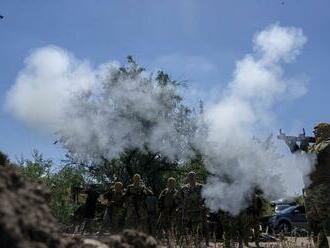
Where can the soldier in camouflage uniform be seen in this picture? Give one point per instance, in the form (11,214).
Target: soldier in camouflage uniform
(250,219)
(230,228)
(115,205)
(135,199)
(167,206)
(247,223)
(193,213)
(317,194)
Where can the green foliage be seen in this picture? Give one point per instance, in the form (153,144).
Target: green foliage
(37,168)
(59,183)
(153,168)
(142,158)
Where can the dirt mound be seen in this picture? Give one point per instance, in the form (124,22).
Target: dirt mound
(25,219)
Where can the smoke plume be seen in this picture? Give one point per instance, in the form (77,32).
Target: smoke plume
(238,162)
(99,113)
(43,88)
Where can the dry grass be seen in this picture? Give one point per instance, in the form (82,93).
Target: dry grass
(190,241)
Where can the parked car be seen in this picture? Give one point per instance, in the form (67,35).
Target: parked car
(281,207)
(287,219)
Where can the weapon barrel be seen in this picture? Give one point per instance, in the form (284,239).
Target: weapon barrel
(308,139)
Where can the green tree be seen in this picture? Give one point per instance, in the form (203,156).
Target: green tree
(59,182)
(132,152)
(37,168)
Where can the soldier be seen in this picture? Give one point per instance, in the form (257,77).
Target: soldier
(230,225)
(115,206)
(191,207)
(135,199)
(167,206)
(250,218)
(317,193)
(152,208)
(90,207)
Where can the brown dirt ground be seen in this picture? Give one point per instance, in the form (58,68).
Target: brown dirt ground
(26,220)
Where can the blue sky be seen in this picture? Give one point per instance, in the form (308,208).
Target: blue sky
(175,35)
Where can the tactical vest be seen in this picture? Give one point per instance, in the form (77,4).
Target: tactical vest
(321,173)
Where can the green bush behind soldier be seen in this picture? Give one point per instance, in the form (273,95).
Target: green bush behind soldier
(193,213)
(115,206)
(317,193)
(167,206)
(135,201)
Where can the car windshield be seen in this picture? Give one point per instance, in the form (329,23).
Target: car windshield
(287,210)
(279,208)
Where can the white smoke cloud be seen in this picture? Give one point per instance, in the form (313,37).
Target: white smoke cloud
(43,88)
(236,160)
(93,113)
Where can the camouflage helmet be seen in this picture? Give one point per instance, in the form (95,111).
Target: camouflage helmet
(191,177)
(171,180)
(118,186)
(322,131)
(137,179)
(191,174)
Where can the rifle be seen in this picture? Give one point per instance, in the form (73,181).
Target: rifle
(302,138)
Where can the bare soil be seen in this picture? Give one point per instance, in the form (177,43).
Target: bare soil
(26,220)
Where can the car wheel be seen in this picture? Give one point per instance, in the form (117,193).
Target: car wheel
(284,227)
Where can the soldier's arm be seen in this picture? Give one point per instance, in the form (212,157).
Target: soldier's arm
(149,192)
(161,200)
(126,194)
(324,154)
(179,197)
(107,196)
(293,146)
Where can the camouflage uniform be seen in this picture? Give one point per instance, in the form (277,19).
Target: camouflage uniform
(137,214)
(89,208)
(167,206)
(152,208)
(193,212)
(250,220)
(317,194)
(229,224)
(116,209)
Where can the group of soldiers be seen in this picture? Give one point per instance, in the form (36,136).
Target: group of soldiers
(180,212)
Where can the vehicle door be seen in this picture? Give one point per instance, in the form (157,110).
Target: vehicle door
(298,216)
